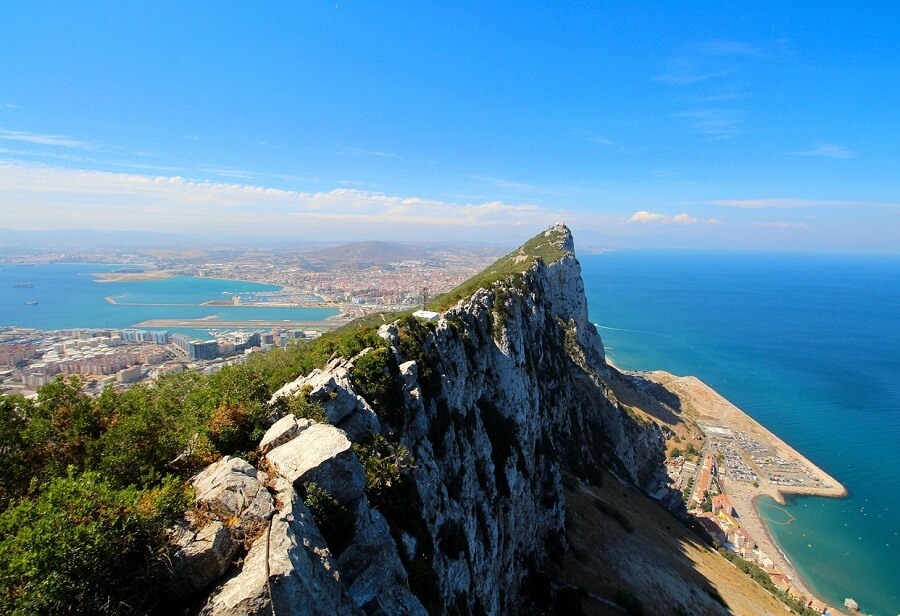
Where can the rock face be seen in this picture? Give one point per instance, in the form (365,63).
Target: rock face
(231,489)
(282,431)
(199,558)
(506,394)
(321,454)
(293,560)
(332,388)
(501,396)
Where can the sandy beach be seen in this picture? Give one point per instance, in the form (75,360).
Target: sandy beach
(701,403)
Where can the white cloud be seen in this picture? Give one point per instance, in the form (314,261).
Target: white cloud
(56,140)
(43,197)
(684,70)
(826,150)
(601,140)
(679,219)
(728,48)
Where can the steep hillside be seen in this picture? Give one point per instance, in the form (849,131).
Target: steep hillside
(478,463)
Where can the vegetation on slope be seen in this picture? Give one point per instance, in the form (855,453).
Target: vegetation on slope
(87,485)
(546,246)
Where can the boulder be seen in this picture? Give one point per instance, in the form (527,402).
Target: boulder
(302,574)
(282,431)
(231,489)
(197,558)
(321,454)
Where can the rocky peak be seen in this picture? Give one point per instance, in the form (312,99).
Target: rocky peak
(495,402)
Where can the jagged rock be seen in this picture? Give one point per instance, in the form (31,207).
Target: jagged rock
(332,388)
(302,573)
(321,454)
(506,393)
(231,488)
(282,431)
(362,424)
(198,558)
(371,570)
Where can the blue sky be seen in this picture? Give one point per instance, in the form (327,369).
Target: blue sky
(725,125)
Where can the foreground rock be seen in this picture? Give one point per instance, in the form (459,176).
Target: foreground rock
(199,558)
(321,454)
(231,489)
(293,560)
(332,388)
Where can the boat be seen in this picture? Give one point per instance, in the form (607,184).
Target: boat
(24,285)
(31,302)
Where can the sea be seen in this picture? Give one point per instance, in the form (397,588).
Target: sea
(68,296)
(809,346)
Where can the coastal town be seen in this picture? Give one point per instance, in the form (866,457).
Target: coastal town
(720,467)
(353,280)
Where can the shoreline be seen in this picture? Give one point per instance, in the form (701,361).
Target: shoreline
(702,403)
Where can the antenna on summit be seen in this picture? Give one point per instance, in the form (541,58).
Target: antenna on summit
(424,298)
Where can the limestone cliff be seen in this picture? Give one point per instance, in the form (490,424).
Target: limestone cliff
(497,401)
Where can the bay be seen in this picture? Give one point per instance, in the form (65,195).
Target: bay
(809,345)
(68,296)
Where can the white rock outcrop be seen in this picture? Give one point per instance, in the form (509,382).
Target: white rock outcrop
(198,558)
(293,562)
(231,489)
(322,454)
(282,431)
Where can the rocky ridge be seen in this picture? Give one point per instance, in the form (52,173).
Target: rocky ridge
(495,403)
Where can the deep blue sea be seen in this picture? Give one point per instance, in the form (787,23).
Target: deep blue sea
(809,346)
(68,296)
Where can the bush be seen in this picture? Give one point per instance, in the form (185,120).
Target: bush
(377,376)
(384,463)
(235,429)
(83,546)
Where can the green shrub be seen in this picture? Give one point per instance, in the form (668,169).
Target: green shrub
(384,463)
(81,546)
(377,377)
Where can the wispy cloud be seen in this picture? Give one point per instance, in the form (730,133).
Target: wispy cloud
(364,152)
(781,202)
(717,123)
(645,217)
(728,48)
(826,150)
(505,184)
(36,196)
(55,140)
(11,106)
(686,70)
(601,140)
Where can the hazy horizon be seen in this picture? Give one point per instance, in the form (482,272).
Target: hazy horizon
(759,127)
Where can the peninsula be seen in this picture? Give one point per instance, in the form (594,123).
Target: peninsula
(723,461)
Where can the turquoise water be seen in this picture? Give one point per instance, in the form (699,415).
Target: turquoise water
(69,297)
(810,347)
